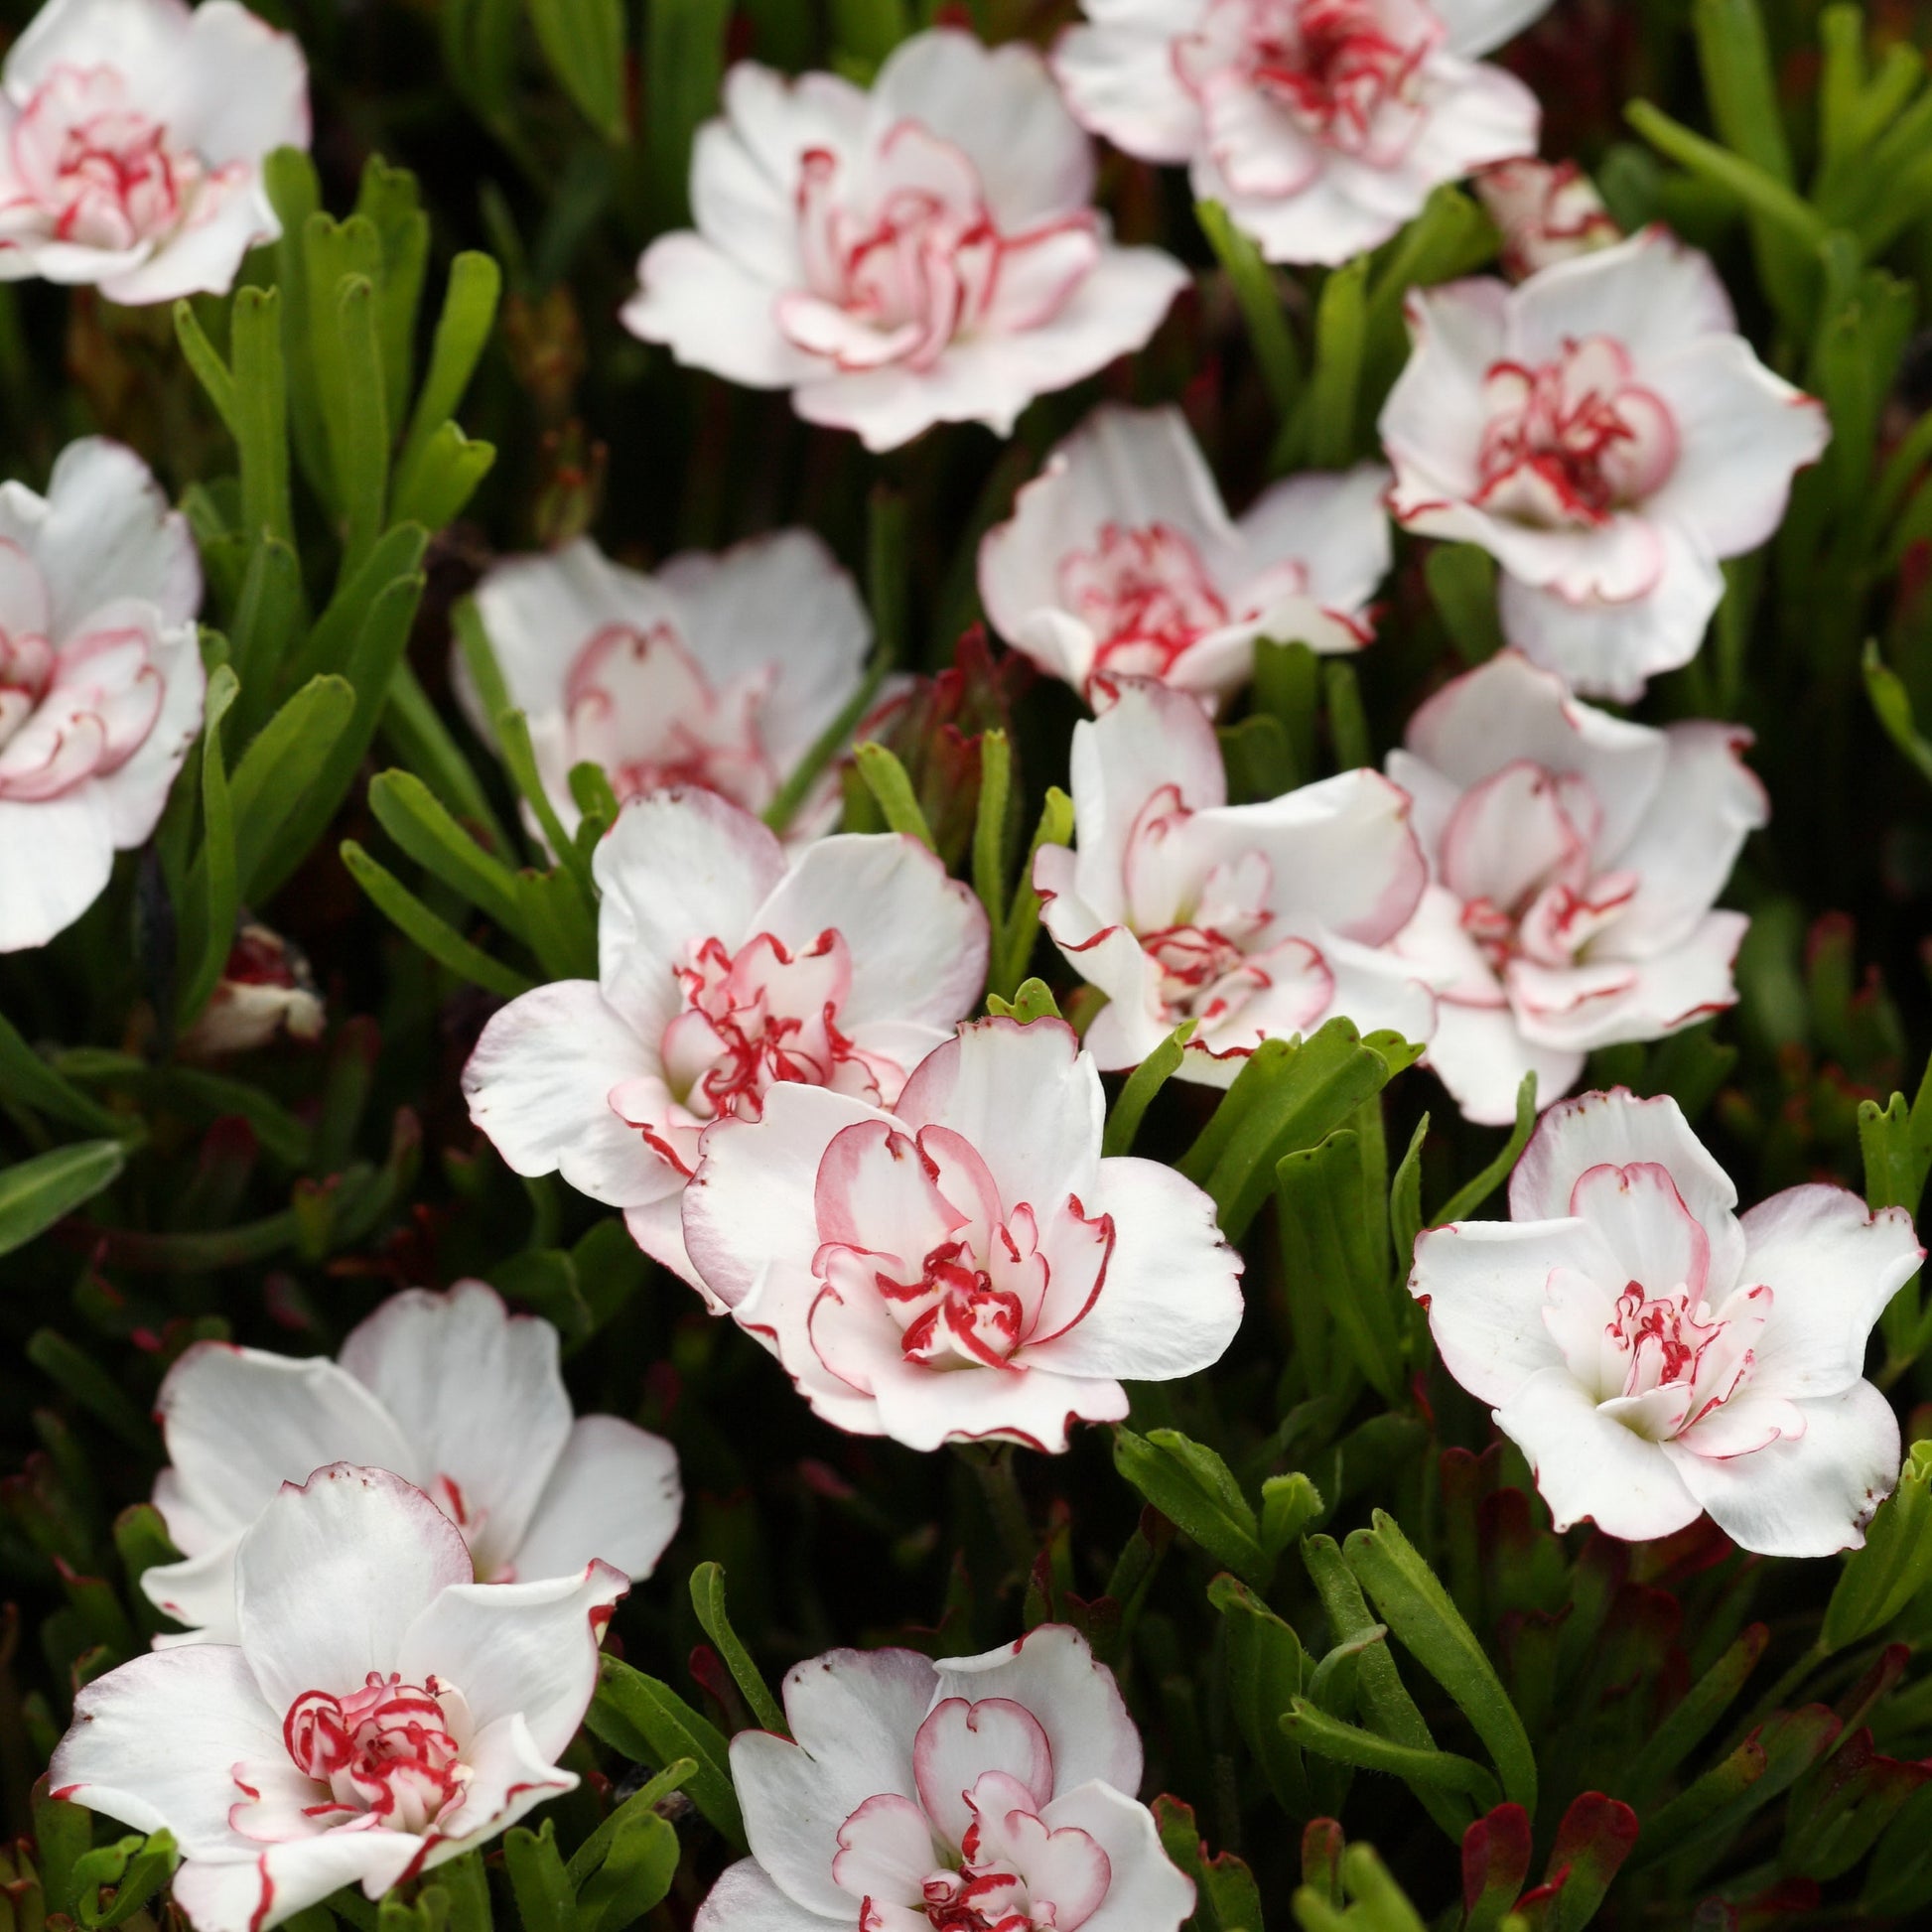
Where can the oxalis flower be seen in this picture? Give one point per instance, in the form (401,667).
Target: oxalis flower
(1120,559)
(1573,862)
(1658,1357)
(100,679)
(976,1794)
(377,1714)
(725,971)
(449,1390)
(1321,125)
(132,135)
(922,254)
(720,671)
(1255,922)
(1604,432)
(966,1265)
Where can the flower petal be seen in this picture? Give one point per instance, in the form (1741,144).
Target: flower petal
(613,1493)
(1146,1892)
(745,1899)
(255,1894)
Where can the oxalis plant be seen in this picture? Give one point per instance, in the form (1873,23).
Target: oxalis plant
(962,966)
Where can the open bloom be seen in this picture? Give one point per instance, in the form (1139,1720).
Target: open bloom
(1319,125)
(922,254)
(1657,1357)
(1547,212)
(978,1794)
(132,135)
(100,679)
(720,671)
(1573,859)
(1120,558)
(1255,922)
(725,972)
(1606,433)
(377,1714)
(449,1391)
(966,1265)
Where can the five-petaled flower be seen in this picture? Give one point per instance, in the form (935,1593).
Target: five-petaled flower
(976,1794)
(927,252)
(1255,922)
(721,671)
(1121,559)
(1604,432)
(132,135)
(100,679)
(725,972)
(1658,1357)
(450,1392)
(378,1713)
(966,1265)
(1548,213)
(1574,858)
(1321,125)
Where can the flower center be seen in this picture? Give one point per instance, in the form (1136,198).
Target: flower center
(639,706)
(387,1750)
(77,714)
(983,1900)
(1205,974)
(1570,441)
(26,670)
(1144,593)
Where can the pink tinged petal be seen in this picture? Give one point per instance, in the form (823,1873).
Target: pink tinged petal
(1039,274)
(526,1650)
(539,1084)
(255,1894)
(712,313)
(1432,425)
(1120,80)
(1830,1267)
(152,1742)
(1479,116)
(56,858)
(614,1493)
(1653,294)
(136,790)
(924,1407)
(961,1740)
(1511,832)
(1487,1286)
(1257,149)
(1593,1006)
(1145,1891)
(1052,1673)
(1589,1468)
(1638,1214)
(332,1575)
(510,1774)
(1749,1420)
(1481,1054)
(1146,739)
(855,1715)
(1479,26)
(1804,1495)
(1331,523)
(247,86)
(205,257)
(1168,1302)
(481,1396)
(745,1899)
(878,1192)
(886,1853)
(239,1423)
(198,1592)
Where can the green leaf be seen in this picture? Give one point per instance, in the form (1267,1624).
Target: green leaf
(1255,289)
(825,747)
(1415,1606)
(1404,1202)
(885,779)
(708,1599)
(646,1720)
(1749,185)
(1893,705)
(436,936)
(1195,1490)
(268,621)
(1013,943)
(1347,721)
(214,895)
(1421,1769)
(445,478)
(389,200)
(415,730)
(206,361)
(990,825)
(1334,390)
(281,765)
(137,1868)
(1147,1079)
(35,1193)
(357,416)
(77,1372)
(1691,1719)
(261,420)
(461,331)
(27,1080)
(1894,1565)
(415,818)
(1266,1670)
(1462,579)
(545,1899)
(684,66)
(1033,1000)
(1471,1195)
(583,41)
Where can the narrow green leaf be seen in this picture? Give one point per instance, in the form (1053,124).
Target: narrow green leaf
(1347,721)
(825,747)
(990,825)
(1405,1201)
(359,416)
(389,198)
(583,41)
(214,890)
(1694,1715)
(1433,1770)
(1255,290)
(434,935)
(279,767)
(261,424)
(1749,183)
(1334,390)
(206,361)
(1013,944)
(545,1897)
(27,1080)
(1468,1197)
(1195,1490)
(1034,1001)
(415,818)
(1462,579)
(520,760)
(36,1192)
(415,730)
(461,332)
(684,65)
(1147,1079)
(1266,1671)
(885,779)
(646,1720)
(708,1599)
(1893,705)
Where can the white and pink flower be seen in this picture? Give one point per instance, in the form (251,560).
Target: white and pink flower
(1605,433)
(726,972)
(978,1794)
(1657,1357)
(967,1266)
(378,1714)
(1574,859)
(1547,212)
(927,252)
(1255,922)
(715,670)
(1319,125)
(266,992)
(449,1391)
(100,679)
(1121,559)
(132,135)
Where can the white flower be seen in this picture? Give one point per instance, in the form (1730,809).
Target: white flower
(1319,125)
(966,1265)
(132,135)
(1573,859)
(718,671)
(993,1791)
(100,679)
(1606,433)
(1547,212)
(1120,558)
(1256,922)
(450,1392)
(1655,1357)
(378,1713)
(725,970)
(923,254)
